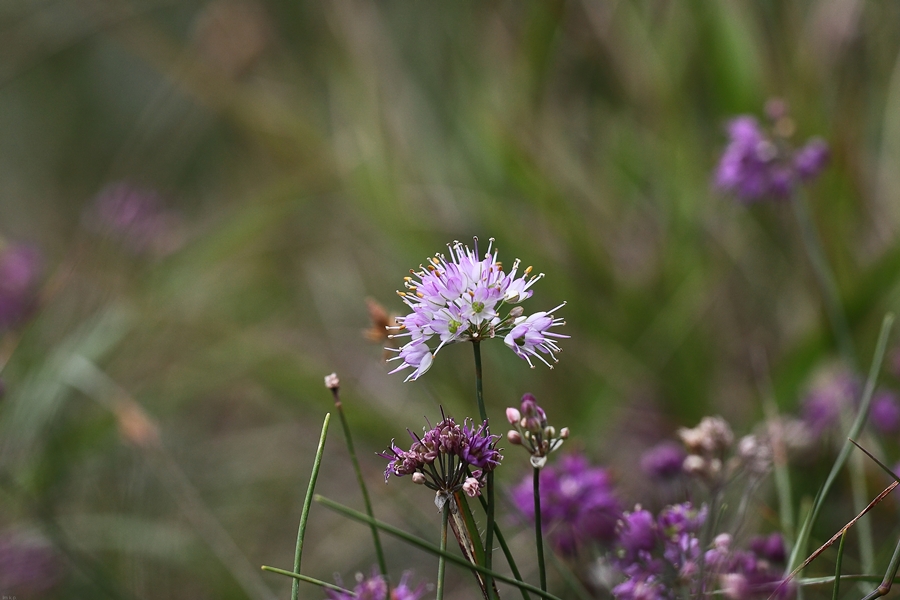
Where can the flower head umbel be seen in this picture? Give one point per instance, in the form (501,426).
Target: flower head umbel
(449,457)
(532,431)
(759,164)
(463,298)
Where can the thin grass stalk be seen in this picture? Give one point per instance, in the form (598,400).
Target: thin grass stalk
(307,503)
(538,534)
(442,562)
(431,548)
(308,579)
(837,569)
(843,455)
(379,552)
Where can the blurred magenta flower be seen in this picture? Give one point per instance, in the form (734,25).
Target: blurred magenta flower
(833,392)
(134,217)
(28,568)
(20,270)
(758,164)
(578,504)
(460,299)
(664,460)
(376,588)
(884,413)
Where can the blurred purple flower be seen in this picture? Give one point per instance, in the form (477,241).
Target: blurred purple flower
(664,460)
(134,217)
(821,408)
(578,505)
(20,270)
(376,588)
(885,412)
(755,165)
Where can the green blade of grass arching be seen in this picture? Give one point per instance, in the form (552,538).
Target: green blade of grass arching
(429,547)
(312,580)
(307,503)
(874,370)
(837,569)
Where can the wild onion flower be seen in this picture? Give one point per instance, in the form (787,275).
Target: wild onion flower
(467,298)
(28,567)
(376,588)
(833,391)
(885,412)
(20,269)
(449,457)
(759,164)
(578,504)
(708,445)
(533,432)
(664,460)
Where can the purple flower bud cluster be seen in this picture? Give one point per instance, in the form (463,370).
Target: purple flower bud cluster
(447,457)
(754,573)
(460,298)
(578,504)
(884,414)
(708,444)
(757,164)
(658,555)
(376,588)
(20,270)
(533,432)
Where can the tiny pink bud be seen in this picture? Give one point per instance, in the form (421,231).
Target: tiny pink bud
(564,433)
(514,437)
(513,415)
(418,478)
(332,382)
(471,487)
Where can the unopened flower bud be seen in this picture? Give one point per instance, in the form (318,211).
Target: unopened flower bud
(418,478)
(472,487)
(564,433)
(513,415)
(514,437)
(549,432)
(516,312)
(332,382)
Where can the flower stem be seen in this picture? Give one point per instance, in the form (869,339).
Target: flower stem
(307,503)
(489,537)
(539,537)
(442,562)
(379,552)
(479,391)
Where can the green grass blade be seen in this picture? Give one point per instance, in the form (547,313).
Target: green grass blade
(307,503)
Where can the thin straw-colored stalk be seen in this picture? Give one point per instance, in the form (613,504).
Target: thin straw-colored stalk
(307,503)
(429,547)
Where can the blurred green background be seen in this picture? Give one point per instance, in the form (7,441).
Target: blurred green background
(308,155)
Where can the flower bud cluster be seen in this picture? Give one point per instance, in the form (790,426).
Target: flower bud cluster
(707,444)
(533,432)
(449,457)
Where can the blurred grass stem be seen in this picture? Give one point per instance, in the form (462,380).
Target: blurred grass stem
(379,552)
(489,536)
(312,580)
(442,562)
(307,503)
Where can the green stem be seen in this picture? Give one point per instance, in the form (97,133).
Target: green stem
(837,569)
(379,552)
(307,579)
(429,547)
(489,537)
(538,534)
(307,503)
(442,562)
(507,553)
(825,278)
